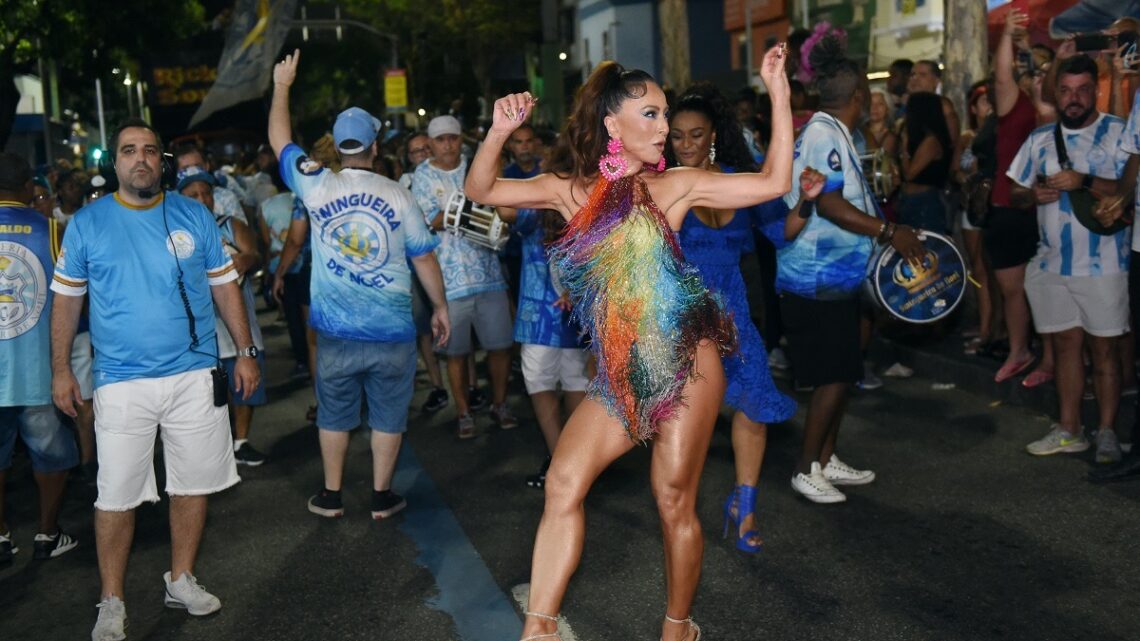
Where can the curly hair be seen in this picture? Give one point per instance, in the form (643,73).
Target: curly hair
(704,98)
(837,77)
(584,138)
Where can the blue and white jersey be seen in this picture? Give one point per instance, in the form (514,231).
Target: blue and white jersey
(826,261)
(29,244)
(468,269)
(278,214)
(127,263)
(1130,142)
(227,204)
(363,228)
(1067,247)
(538,321)
(227,348)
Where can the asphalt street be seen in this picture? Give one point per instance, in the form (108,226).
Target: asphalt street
(963,536)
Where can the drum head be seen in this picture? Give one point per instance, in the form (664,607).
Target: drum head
(923,295)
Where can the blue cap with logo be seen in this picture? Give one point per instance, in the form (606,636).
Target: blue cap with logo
(354,130)
(194,173)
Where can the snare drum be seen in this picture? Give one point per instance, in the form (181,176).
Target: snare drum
(923,295)
(881,173)
(478,224)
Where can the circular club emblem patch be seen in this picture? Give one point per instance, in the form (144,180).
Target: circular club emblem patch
(180,243)
(23,289)
(361,240)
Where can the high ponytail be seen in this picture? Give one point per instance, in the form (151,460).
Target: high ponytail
(583,140)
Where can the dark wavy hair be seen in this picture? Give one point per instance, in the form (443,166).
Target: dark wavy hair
(837,77)
(924,117)
(583,140)
(704,98)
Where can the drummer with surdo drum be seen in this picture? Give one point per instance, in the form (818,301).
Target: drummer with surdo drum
(821,271)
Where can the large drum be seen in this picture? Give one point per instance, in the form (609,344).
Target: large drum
(918,295)
(478,224)
(882,174)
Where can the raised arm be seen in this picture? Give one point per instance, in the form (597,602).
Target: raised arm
(280,130)
(485,185)
(1005,85)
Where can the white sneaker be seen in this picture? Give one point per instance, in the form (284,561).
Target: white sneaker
(839,473)
(815,487)
(1107,446)
(185,593)
(1058,441)
(112,622)
(777,359)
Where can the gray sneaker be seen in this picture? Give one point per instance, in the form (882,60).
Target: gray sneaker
(466,427)
(503,417)
(1107,447)
(112,622)
(186,594)
(1058,441)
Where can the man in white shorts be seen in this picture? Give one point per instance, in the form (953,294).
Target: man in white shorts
(153,267)
(1077,284)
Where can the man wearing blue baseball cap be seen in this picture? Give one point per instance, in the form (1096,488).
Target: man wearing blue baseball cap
(365,227)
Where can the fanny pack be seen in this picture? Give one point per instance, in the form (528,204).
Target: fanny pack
(1084,201)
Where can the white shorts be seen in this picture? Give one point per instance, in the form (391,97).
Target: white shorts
(196,441)
(1096,304)
(81,358)
(545,367)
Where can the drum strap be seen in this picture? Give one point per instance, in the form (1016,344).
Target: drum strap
(1062,152)
(853,158)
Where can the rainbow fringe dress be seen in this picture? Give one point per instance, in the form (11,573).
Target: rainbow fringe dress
(643,306)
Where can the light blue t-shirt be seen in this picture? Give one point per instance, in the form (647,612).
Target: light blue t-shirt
(363,228)
(538,321)
(1067,247)
(28,245)
(826,261)
(127,263)
(468,269)
(278,212)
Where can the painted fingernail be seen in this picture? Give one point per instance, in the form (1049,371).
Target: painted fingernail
(510,112)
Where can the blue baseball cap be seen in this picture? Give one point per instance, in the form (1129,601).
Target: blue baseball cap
(194,173)
(354,130)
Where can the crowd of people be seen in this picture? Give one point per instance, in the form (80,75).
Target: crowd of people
(619,297)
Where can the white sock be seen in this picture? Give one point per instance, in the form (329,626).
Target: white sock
(238,443)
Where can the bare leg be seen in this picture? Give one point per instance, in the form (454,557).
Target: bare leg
(1106,378)
(385,449)
(311,339)
(472,375)
(591,440)
(334,446)
(187,520)
(243,418)
(749,441)
(1012,284)
(826,403)
(679,454)
(51,486)
(457,376)
(499,369)
(114,532)
(85,429)
(833,432)
(424,342)
(973,242)
(1070,376)
(548,415)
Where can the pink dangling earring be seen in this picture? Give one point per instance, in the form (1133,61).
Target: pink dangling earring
(613,164)
(660,166)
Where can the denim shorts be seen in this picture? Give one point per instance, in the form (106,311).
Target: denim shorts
(50,444)
(384,372)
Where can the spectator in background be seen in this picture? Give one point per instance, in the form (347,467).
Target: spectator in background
(42,197)
(975,173)
(277,214)
(897,80)
(525,150)
(30,245)
(226,201)
(878,131)
(800,112)
(927,151)
(71,189)
(266,181)
(926,75)
(746,115)
(96,190)
(417,151)
(1077,283)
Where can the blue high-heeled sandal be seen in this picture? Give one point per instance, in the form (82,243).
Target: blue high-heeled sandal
(743,498)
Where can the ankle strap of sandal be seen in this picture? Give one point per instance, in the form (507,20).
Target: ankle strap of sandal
(687,619)
(540,615)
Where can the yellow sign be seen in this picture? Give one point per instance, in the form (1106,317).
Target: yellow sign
(396,89)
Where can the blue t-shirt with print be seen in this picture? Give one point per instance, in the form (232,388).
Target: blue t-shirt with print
(127,262)
(468,269)
(538,321)
(825,261)
(363,227)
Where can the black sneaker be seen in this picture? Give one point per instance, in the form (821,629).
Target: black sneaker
(7,549)
(50,546)
(246,455)
(386,503)
(326,503)
(538,481)
(476,400)
(436,401)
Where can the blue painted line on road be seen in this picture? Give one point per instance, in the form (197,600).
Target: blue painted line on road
(467,593)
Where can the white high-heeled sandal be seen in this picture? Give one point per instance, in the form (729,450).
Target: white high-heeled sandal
(548,635)
(689,620)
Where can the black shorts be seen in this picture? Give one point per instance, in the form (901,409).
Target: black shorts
(823,339)
(1010,236)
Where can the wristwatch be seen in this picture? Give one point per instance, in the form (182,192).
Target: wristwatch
(249,352)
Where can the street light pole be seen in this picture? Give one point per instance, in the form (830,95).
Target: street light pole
(339,23)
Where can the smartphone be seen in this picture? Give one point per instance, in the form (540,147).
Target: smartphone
(1092,41)
(1026,61)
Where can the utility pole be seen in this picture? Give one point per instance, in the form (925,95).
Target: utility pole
(965,53)
(673,20)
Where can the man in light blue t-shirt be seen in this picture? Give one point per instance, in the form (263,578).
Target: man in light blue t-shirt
(364,228)
(151,264)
